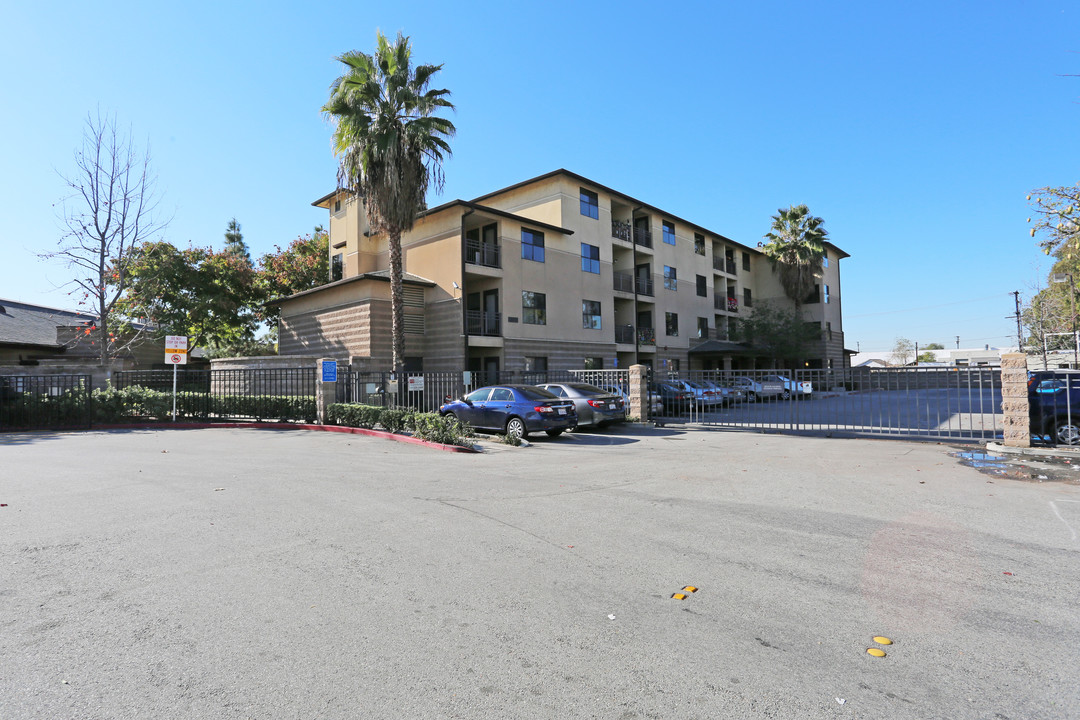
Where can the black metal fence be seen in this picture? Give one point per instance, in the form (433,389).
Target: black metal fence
(39,402)
(941,403)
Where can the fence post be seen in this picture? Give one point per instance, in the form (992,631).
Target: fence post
(1014,400)
(639,392)
(325,387)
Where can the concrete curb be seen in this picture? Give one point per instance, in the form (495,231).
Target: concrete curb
(1034,451)
(290,426)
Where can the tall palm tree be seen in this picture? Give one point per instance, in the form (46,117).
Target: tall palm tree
(796,247)
(390,146)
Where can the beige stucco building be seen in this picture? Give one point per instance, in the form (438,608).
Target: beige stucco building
(557,272)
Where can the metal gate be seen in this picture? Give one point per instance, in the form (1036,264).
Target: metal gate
(45,402)
(947,403)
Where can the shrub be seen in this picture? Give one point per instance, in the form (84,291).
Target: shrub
(514,440)
(446,430)
(354,415)
(393,419)
(132,403)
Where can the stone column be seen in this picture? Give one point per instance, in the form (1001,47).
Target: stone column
(1014,399)
(325,389)
(639,392)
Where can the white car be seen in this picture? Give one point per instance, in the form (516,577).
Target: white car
(655,406)
(799,389)
(758,390)
(705,396)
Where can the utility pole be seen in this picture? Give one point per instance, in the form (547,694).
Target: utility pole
(957,342)
(916,353)
(1019,332)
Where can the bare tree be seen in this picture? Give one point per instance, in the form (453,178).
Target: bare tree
(903,351)
(110,209)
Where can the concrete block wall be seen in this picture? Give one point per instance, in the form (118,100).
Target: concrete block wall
(1014,400)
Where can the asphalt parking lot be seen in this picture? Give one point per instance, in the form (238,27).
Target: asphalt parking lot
(232,573)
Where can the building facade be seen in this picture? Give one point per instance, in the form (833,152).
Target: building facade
(557,272)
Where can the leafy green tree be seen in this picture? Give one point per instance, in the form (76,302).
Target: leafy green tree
(1057,219)
(779,333)
(796,247)
(234,241)
(925,357)
(933,346)
(390,146)
(303,265)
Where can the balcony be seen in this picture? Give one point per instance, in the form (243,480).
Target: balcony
(624,334)
(645,286)
(643,237)
(484,323)
(481,253)
(623,282)
(646,336)
(621,230)
(730,304)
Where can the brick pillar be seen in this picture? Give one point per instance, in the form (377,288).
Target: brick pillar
(639,392)
(1014,399)
(325,390)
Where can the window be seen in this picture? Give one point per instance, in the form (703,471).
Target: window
(828,329)
(814,296)
(533,308)
(826,294)
(590,258)
(671,280)
(480,395)
(502,395)
(590,314)
(699,243)
(594,363)
(732,328)
(337,206)
(337,267)
(746,299)
(746,261)
(535,364)
(669,233)
(702,286)
(671,324)
(532,245)
(590,204)
(703,327)
(825,259)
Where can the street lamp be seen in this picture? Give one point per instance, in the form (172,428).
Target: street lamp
(1060,277)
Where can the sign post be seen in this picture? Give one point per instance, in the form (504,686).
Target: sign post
(175,354)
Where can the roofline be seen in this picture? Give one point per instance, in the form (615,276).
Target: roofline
(346,281)
(324,201)
(78,313)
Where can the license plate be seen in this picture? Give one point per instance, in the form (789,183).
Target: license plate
(562,411)
(611,406)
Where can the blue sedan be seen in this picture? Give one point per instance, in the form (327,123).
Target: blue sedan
(514,410)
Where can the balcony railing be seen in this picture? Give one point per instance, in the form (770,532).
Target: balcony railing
(645,286)
(730,267)
(718,264)
(621,230)
(624,334)
(732,304)
(623,282)
(643,237)
(484,323)
(482,253)
(646,336)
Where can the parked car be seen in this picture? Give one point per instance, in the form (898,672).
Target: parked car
(675,398)
(1054,405)
(728,395)
(758,390)
(514,410)
(594,405)
(706,398)
(792,388)
(656,407)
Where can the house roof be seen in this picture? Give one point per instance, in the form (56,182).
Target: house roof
(35,325)
(380,275)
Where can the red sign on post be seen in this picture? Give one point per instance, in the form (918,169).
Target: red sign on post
(176,349)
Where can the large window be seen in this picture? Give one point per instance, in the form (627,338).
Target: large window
(337,267)
(671,324)
(590,204)
(703,327)
(532,245)
(590,258)
(671,280)
(594,363)
(699,243)
(702,286)
(825,294)
(590,314)
(746,298)
(825,259)
(536,363)
(533,308)
(669,232)
(746,261)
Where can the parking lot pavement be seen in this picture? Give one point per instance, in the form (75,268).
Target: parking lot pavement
(263,574)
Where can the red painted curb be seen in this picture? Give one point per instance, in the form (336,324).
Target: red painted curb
(288,426)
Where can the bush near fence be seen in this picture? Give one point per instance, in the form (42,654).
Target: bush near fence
(34,410)
(425,426)
(136,403)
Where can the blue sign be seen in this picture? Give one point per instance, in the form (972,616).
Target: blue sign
(329,370)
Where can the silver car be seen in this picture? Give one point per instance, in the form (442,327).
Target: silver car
(595,406)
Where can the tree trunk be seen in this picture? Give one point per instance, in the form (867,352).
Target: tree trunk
(397,303)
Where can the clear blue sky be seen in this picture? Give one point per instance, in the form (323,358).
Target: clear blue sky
(914,129)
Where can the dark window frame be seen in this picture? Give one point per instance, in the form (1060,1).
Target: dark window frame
(589,263)
(532,248)
(671,324)
(535,314)
(702,286)
(591,320)
(590,203)
(668,229)
(671,278)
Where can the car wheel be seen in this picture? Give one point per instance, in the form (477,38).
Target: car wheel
(751,396)
(516,426)
(450,415)
(553,433)
(1066,432)
(786,394)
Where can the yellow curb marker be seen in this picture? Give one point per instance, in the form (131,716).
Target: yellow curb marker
(880,640)
(876,652)
(690,589)
(679,596)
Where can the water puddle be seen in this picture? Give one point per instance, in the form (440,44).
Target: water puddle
(981,460)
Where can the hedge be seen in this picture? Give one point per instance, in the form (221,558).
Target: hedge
(426,426)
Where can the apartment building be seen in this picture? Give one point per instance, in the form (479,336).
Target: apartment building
(557,272)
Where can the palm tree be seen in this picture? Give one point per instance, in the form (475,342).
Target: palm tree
(796,247)
(390,147)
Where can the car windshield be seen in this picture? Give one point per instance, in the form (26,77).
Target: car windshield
(535,393)
(587,389)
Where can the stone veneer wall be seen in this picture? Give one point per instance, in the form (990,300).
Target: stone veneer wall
(1014,400)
